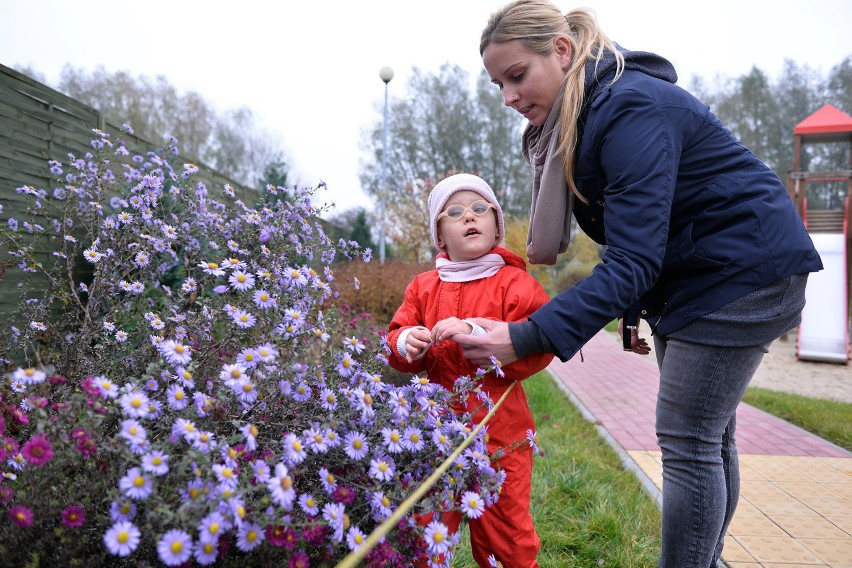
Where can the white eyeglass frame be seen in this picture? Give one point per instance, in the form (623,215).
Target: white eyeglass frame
(465,209)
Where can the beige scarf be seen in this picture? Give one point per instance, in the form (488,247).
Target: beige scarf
(552,201)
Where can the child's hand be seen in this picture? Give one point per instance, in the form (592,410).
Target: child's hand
(449,328)
(418,341)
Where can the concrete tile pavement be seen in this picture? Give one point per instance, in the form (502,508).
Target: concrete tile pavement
(795,505)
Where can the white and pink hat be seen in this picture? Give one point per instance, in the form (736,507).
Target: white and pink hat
(445,188)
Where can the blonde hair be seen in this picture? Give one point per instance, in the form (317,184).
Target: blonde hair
(537,23)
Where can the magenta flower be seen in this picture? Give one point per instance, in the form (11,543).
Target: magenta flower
(6,494)
(21,516)
(38,451)
(73,516)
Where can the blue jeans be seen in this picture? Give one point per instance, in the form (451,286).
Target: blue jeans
(700,388)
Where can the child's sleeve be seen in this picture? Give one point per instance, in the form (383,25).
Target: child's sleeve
(407,317)
(524,297)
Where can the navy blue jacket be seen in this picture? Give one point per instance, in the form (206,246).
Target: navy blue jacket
(691,218)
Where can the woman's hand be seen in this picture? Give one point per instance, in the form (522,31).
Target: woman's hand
(637,344)
(478,349)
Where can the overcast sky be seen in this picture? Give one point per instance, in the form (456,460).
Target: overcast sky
(309,69)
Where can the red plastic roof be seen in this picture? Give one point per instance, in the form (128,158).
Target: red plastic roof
(827,119)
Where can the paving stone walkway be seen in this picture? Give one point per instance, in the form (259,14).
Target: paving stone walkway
(795,507)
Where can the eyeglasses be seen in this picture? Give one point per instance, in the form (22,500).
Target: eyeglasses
(456,212)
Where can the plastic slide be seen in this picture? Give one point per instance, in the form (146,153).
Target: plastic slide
(824,331)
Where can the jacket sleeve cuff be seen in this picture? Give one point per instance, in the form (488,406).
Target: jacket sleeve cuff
(401,349)
(527,338)
(475,329)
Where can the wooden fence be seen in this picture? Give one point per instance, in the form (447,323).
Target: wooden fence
(38,124)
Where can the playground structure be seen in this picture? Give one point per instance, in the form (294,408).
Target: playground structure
(823,334)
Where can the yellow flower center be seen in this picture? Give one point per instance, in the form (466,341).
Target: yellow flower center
(177,546)
(357,444)
(139,481)
(122,537)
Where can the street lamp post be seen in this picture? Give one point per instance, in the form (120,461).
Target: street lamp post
(386,74)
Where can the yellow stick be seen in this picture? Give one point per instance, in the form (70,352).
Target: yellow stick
(358,554)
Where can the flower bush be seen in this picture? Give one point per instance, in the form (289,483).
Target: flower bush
(186,393)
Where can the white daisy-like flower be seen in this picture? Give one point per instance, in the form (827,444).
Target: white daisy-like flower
(176,353)
(472,504)
(108,388)
(241,280)
(133,432)
(122,538)
(142,259)
(243,319)
(231,373)
(262,299)
(249,536)
(156,462)
(280,486)
(136,484)
(92,255)
(169,232)
(212,268)
(175,547)
(29,375)
(135,404)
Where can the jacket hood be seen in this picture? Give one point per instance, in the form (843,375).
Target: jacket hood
(644,61)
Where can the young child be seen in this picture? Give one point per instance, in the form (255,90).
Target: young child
(476,277)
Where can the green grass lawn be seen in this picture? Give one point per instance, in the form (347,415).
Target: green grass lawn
(587,509)
(828,419)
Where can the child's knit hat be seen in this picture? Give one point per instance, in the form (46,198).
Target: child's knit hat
(445,188)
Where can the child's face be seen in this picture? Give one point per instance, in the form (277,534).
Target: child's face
(472,235)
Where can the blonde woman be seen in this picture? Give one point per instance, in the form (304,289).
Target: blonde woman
(702,241)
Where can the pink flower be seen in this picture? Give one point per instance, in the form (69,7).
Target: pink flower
(38,451)
(73,516)
(6,494)
(20,416)
(8,447)
(21,516)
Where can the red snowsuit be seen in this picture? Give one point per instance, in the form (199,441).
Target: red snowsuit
(505,529)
